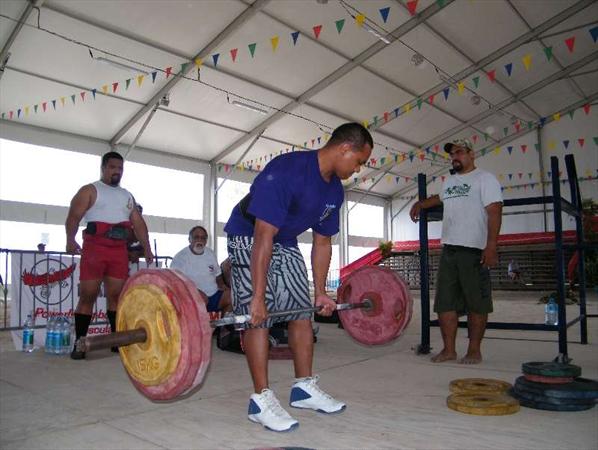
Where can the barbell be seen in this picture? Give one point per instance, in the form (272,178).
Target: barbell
(164,331)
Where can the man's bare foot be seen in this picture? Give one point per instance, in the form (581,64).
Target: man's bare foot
(471,358)
(444,356)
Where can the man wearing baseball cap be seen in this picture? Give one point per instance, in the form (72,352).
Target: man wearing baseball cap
(471,222)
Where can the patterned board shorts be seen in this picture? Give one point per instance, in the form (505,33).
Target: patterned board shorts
(287,283)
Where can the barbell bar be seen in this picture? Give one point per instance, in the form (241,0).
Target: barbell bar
(139,335)
(165,333)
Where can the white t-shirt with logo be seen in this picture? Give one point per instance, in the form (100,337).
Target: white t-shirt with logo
(201,269)
(465,197)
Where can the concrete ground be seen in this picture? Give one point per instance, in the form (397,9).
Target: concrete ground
(396,399)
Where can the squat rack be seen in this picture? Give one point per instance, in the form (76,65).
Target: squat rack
(560,205)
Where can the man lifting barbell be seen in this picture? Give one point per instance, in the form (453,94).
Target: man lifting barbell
(109,213)
(295,192)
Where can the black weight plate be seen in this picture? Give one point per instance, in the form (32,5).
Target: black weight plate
(552,407)
(580,388)
(551,369)
(519,394)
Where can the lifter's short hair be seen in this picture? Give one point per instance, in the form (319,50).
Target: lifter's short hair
(354,133)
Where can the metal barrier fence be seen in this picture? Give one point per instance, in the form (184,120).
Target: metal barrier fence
(46,284)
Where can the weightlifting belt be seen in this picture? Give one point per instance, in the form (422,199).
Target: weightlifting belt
(107,233)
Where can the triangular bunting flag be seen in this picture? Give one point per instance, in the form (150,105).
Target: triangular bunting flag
(486,137)
(551,144)
(523,148)
(154,75)
(397,111)
(93,92)
(571,114)
(114,87)
(27,110)
(10,113)
(339,25)
(384,13)
(537,147)
(140,80)
(510,176)
(431,99)
(497,150)
(460,87)
(446,92)
(73,97)
(274,42)
(483,151)
(527,61)
(44,106)
(82,96)
(105,89)
(233,54)
(317,29)
(517,126)
(509,68)
(168,71)
(215,57)
(34,110)
(474,138)
(476,81)
(386,115)
(595,140)
(127,84)
(407,108)
(510,149)
(556,117)
(252,49)
(359,19)
(586,108)
(295,36)
(594,33)
(198,62)
(492,75)
(542,121)
(548,53)
(581,142)
(529,174)
(412,7)
(54,104)
(570,43)
(62,100)
(505,130)
(566,144)
(18,113)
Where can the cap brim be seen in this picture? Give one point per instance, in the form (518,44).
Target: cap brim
(448,146)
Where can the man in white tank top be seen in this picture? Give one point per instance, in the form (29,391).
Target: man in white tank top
(110,213)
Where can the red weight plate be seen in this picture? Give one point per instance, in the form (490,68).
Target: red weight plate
(393,305)
(203,334)
(547,380)
(194,329)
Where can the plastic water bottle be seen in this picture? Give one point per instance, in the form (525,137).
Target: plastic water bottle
(551,312)
(57,336)
(50,335)
(28,334)
(65,336)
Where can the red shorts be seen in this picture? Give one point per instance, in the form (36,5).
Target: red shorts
(99,261)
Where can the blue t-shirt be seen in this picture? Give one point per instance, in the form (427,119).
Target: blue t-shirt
(291,194)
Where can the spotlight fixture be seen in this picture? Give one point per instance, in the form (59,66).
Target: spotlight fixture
(249,107)
(475,99)
(417,59)
(120,65)
(165,100)
(369,29)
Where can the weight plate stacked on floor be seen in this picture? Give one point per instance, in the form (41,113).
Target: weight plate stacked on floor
(483,404)
(555,387)
(479,386)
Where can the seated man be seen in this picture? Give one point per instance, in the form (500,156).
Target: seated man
(199,264)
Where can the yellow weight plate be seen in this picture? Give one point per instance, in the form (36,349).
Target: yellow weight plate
(155,360)
(479,386)
(483,404)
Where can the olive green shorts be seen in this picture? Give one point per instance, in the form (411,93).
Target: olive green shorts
(462,284)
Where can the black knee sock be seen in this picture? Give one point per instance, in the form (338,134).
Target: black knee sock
(82,322)
(112,319)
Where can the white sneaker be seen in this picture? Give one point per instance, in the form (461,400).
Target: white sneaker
(265,408)
(307,394)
